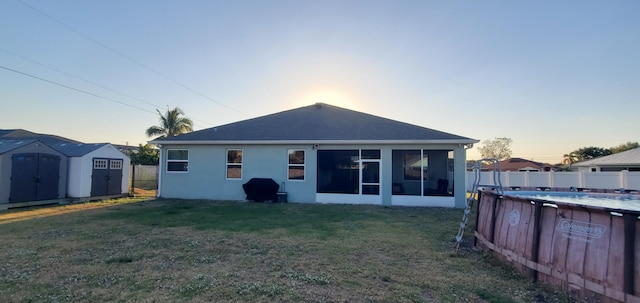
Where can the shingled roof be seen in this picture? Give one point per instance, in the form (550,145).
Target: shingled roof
(76,149)
(629,157)
(9,145)
(316,123)
(21,134)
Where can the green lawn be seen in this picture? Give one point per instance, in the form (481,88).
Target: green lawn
(204,251)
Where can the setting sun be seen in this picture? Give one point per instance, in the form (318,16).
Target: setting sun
(329,97)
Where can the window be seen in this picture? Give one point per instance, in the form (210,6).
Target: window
(415,165)
(99,163)
(338,172)
(115,164)
(234,164)
(349,172)
(296,164)
(422,172)
(178,160)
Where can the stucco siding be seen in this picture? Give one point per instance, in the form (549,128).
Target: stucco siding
(206,175)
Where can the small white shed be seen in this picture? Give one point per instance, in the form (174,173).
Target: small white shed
(95,170)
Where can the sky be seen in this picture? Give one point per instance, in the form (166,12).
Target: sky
(554,76)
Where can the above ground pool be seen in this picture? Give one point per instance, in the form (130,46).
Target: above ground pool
(616,201)
(586,243)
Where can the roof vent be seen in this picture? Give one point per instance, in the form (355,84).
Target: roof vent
(318,105)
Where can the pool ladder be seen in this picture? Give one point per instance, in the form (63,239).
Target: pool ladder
(497,186)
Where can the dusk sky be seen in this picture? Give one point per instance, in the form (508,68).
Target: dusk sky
(554,76)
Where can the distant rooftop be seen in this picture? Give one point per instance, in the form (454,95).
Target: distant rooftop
(21,134)
(629,157)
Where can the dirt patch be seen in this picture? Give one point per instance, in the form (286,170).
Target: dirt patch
(145,192)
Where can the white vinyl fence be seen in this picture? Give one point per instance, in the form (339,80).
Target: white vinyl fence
(593,180)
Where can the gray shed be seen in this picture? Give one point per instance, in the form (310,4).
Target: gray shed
(31,173)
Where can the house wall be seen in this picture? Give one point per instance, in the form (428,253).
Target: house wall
(35,147)
(81,169)
(206,176)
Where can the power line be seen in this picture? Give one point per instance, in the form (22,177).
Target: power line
(77,89)
(90,82)
(130,59)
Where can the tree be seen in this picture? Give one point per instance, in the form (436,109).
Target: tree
(171,124)
(145,155)
(570,158)
(498,148)
(624,147)
(587,153)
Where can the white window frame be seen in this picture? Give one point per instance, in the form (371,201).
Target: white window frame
(115,164)
(100,163)
(226,160)
(177,160)
(303,165)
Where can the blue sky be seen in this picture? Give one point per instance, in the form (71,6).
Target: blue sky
(553,76)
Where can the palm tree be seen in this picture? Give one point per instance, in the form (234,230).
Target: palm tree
(171,124)
(570,159)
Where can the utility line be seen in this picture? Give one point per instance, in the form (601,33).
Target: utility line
(77,89)
(88,81)
(130,59)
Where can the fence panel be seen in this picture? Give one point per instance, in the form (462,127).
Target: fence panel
(633,180)
(537,179)
(591,180)
(566,180)
(145,176)
(602,180)
(516,179)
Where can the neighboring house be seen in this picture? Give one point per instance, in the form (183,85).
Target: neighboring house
(627,160)
(318,153)
(30,171)
(522,165)
(30,164)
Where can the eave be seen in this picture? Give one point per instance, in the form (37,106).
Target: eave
(318,142)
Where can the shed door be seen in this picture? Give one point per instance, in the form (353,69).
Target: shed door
(48,177)
(34,177)
(115,177)
(106,178)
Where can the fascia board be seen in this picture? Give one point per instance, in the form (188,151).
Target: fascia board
(285,142)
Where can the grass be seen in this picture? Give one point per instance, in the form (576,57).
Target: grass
(204,251)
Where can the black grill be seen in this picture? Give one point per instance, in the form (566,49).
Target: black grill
(261,189)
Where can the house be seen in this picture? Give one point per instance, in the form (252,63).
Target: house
(31,171)
(627,160)
(522,165)
(30,164)
(318,153)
